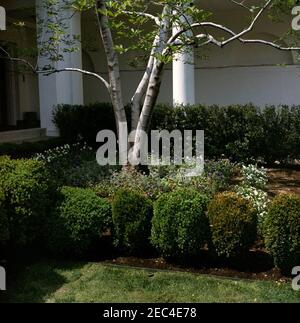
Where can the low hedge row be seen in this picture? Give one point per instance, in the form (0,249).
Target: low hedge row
(240,132)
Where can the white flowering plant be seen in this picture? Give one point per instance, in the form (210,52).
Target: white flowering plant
(254,176)
(253,188)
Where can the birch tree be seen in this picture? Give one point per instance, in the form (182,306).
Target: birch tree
(148,25)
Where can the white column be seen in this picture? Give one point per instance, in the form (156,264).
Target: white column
(63,87)
(183,75)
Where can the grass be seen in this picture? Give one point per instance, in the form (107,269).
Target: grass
(95,282)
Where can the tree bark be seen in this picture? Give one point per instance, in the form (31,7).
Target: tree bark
(155,79)
(113,66)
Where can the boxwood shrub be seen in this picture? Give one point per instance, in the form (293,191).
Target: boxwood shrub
(79,219)
(28,193)
(282,231)
(180,226)
(233,223)
(131,214)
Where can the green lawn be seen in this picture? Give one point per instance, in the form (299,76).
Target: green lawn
(95,282)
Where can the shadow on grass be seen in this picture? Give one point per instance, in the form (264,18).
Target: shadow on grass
(31,278)
(37,282)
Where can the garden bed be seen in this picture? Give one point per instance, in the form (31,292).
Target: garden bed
(257,264)
(283,180)
(261,270)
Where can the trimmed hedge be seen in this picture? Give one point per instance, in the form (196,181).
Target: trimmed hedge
(6,167)
(131,214)
(282,231)
(28,194)
(4,226)
(233,224)
(79,219)
(180,226)
(239,132)
(29,149)
(76,122)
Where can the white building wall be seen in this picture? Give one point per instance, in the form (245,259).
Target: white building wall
(236,74)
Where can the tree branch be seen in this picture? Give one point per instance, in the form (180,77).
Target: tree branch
(49,72)
(144,14)
(247,30)
(78,70)
(241,4)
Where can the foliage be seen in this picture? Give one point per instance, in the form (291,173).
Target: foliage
(282,231)
(130,180)
(79,219)
(259,200)
(29,149)
(239,132)
(78,122)
(28,194)
(73,165)
(253,188)
(254,176)
(233,224)
(167,178)
(220,172)
(6,167)
(4,224)
(180,226)
(243,133)
(131,214)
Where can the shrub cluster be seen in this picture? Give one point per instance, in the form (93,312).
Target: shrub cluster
(282,231)
(233,223)
(79,218)
(240,132)
(177,216)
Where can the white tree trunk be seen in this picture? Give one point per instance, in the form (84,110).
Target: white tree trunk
(113,66)
(154,81)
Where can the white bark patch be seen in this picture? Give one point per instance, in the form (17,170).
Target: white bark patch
(2,19)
